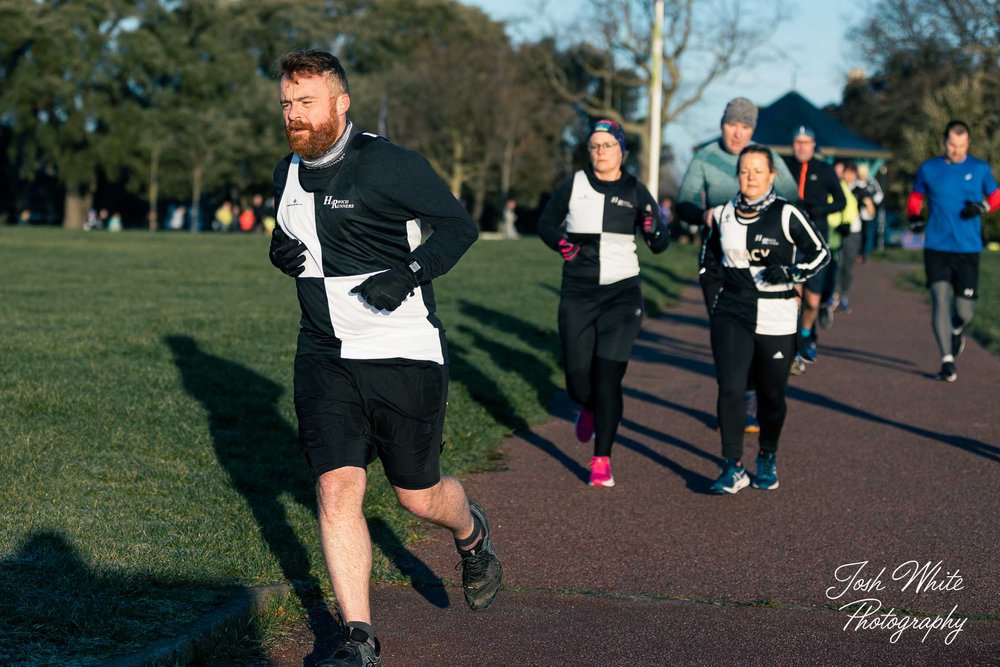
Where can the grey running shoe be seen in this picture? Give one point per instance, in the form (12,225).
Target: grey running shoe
(481,571)
(798,366)
(947,372)
(358,648)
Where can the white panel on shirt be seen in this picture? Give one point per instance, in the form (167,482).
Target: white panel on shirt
(777,317)
(618,259)
(733,235)
(297,216)
(413,233)
(366,333)
(586,207)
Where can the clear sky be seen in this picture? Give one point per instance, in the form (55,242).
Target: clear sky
(810,52)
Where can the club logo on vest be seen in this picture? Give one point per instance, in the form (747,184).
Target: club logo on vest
(337,203)
(763,240)
(751,254)
(624,203)
(295,202)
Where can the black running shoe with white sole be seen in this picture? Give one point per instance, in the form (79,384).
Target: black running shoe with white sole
(947,372)
(357,649)
(481,570)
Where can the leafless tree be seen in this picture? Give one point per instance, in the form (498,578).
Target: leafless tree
(703,40)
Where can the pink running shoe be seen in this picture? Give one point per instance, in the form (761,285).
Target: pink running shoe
(585,425)
(600,471)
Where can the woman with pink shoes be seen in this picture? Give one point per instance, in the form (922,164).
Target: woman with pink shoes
(592,220)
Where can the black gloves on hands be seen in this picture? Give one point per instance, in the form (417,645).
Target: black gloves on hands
(972,209)
(779,275)
(387,290)
(916,224)
(286,253)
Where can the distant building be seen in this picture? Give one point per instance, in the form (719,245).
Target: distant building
(834,140)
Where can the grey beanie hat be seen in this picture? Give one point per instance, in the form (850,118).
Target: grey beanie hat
(740,110)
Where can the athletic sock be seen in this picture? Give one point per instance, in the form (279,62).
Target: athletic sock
(469,544)
(805,333)
(947,359)
(364,627)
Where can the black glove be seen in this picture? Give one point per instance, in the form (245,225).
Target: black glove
(286,253)
(972,209)
(916,224)
(777,274)
(387,290)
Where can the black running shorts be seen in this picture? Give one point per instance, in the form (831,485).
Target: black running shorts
(816,282)
(351,411)
(603,323)
(959,269)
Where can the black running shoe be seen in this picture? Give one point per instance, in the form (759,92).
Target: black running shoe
(947,372)
(358,648)
(957,344)
(481,571)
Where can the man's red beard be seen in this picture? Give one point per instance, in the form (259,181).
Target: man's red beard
(314,142)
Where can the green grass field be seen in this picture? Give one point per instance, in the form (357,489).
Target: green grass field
(149,463)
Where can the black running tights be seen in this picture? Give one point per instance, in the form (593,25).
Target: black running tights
(739,351)
(600,393)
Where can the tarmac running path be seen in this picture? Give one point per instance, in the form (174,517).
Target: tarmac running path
(882,469)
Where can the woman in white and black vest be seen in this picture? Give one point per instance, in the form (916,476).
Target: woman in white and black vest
(592,220)
(759,250)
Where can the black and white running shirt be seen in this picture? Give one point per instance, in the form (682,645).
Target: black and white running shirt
(738,249)
(602,218)
(358,217)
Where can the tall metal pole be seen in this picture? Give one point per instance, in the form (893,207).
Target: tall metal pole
(655,101)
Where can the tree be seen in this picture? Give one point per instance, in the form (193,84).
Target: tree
(59,69)
(452,87)
(703,41)
(934,61)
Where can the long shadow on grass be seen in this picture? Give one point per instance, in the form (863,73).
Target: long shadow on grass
(58,609)
(259,451)
(677,281)
(486,392)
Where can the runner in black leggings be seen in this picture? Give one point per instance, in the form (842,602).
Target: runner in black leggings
(592,220)
(760,248)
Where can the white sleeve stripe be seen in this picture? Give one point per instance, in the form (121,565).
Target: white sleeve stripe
(821,256)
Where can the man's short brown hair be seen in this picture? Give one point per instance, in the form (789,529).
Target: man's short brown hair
(312,62)
(955,127)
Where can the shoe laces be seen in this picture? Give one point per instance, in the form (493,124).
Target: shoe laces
(475,564)
(734,469)
(347,650)
(353,648)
